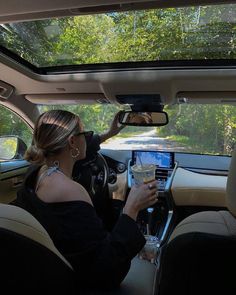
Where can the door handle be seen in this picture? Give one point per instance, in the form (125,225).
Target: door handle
(17,184)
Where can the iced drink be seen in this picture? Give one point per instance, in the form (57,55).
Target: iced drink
(143,173)
(150,249)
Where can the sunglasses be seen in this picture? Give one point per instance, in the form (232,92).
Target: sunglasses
(87,134)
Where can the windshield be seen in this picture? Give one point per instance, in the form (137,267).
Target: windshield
(196,128)
(167,34)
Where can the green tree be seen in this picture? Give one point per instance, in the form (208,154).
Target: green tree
(11,124)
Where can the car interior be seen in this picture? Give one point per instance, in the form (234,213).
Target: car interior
(44,64)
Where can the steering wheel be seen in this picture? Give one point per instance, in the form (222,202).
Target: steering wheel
(92,173)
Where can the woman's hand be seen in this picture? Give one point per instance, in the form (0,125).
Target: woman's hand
(115,128)
(140,197)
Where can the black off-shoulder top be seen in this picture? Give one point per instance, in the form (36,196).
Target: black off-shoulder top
(99,258)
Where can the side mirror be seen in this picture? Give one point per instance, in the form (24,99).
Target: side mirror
(11,148)
(131,118)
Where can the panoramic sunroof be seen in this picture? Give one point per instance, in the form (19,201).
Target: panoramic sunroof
(170,34)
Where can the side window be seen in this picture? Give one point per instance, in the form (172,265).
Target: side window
(13,132)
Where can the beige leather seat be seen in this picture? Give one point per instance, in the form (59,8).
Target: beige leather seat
(201,252)
(30,263)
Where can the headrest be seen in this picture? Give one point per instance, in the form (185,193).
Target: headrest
(231,186)
(21,222)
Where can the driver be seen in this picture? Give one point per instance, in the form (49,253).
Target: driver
(140,118)
(98,257)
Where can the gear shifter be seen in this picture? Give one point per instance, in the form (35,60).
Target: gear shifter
(149,214)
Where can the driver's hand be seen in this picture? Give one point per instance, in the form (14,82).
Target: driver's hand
(141,197)
(115,128)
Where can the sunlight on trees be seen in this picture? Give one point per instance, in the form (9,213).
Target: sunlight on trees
(207,32)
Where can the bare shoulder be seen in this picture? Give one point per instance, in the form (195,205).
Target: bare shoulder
(58,188)
(73,191)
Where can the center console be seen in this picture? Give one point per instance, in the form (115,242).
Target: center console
(160,216)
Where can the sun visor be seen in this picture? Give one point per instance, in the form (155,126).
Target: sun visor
(207,97)
(71,98)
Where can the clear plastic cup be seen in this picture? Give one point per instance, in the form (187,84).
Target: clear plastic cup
(143,173)
(150,250)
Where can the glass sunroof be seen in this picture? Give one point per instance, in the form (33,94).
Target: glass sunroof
(170,34)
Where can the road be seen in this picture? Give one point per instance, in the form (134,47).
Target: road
(147,140)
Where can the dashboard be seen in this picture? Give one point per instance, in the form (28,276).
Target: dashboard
(186,182)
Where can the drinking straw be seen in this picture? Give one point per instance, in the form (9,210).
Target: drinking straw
(141,163)
(148,230)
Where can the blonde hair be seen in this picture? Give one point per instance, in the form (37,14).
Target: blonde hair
(51,134)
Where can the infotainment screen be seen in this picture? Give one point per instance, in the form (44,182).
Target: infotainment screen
(160,159)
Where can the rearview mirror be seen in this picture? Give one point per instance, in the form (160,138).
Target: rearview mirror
(11,148)
(131,118)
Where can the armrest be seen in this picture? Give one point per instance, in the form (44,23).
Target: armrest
(141,279)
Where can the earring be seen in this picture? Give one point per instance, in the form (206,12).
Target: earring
(56,163)
(77,153)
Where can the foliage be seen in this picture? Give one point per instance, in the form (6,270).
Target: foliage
(206,128)
(11,124)
(8,148)
(97,117)
(206,32)
(200,32)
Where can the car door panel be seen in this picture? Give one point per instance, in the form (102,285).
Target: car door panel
(11,178)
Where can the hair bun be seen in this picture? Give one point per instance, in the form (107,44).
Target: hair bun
(35,155)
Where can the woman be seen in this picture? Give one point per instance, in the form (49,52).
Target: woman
(140,118)
(65,209)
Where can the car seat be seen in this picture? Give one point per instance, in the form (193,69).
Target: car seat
(30,263)
(200,255)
